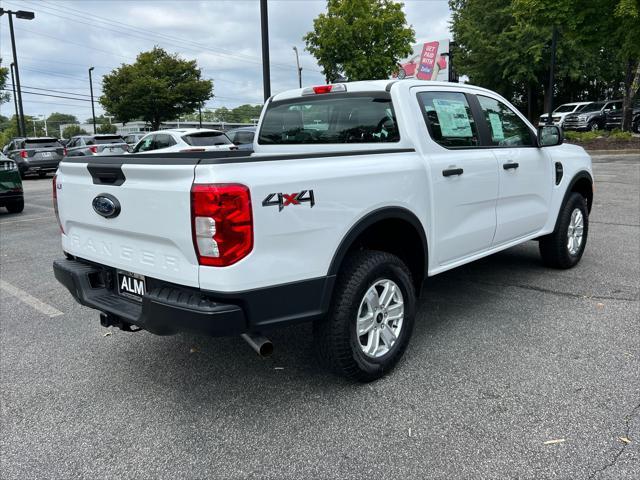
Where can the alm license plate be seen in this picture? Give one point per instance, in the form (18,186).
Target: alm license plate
(131,285)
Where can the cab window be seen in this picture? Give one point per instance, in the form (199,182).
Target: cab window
(449,119)
(145,144)
(506,127)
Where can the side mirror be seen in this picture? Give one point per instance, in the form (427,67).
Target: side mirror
(549,136)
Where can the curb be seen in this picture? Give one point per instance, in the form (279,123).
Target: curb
(613,152)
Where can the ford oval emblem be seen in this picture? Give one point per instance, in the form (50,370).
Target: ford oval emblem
(106,205)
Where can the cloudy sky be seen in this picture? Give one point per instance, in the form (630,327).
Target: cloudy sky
(68,36)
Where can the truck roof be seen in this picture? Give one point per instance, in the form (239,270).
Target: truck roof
(380,85)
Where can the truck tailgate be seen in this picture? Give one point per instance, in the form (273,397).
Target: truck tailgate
(150,236)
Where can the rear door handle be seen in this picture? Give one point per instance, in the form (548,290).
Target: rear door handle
(452,171)
(511,165)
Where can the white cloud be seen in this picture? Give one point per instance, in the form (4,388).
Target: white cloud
(67,37)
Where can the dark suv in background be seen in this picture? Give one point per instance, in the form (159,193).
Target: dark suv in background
(35,155)
(592,117)
(614,119)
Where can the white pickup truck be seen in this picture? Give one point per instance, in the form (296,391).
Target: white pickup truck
(354,194)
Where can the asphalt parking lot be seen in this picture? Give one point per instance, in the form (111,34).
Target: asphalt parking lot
(514,371)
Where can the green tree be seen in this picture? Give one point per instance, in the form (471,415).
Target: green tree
(72,130)
(505,45)
(627,17)
(360,39)
(159,86)
(4,75)
(107,128)
(56,119)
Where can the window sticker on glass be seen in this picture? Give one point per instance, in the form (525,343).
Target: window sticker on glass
(496,126)
(454,121)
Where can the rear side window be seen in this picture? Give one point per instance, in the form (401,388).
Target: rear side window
(507,128)
(321,120)
(207,139)
(42,143)
(243,137)
(449,119)
(163,141)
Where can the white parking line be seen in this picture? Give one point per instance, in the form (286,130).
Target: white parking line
(29,299)
(25,220)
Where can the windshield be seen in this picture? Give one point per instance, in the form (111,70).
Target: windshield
(207,139)
(42,143)
(565,109)
(340,119)
(593,107)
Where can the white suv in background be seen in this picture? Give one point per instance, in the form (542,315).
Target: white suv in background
(184,140)
(561,112)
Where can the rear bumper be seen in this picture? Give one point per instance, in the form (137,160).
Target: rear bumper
(163,310)
(10,196)
(38,166)
(168,309)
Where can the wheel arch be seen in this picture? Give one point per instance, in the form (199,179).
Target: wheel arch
(581,183)
(374,231)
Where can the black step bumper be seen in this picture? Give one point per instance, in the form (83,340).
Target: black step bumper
(164,310)
(167,308)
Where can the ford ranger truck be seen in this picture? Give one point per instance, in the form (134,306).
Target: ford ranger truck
(354,194)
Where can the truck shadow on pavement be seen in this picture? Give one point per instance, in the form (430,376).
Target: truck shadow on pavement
(195,367)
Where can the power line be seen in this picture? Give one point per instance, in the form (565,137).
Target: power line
(134,31)
(54,91)
(50,95)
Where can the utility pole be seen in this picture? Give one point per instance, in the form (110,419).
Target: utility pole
(46,130)
(295,49)
(554,42)
(264,27)
(24,15)
(15,102)
(93,110)
(200,116)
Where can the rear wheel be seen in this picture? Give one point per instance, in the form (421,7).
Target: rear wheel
(563,248)
(15,206)
(593,126)
(371,318)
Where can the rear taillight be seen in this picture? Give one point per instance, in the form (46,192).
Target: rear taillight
(64,152)
(222,223)
(24,154)
(93,149)
(55,201)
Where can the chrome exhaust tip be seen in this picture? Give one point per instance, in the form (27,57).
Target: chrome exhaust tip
(260,344)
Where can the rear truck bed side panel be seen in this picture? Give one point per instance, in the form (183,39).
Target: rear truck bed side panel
(298,241)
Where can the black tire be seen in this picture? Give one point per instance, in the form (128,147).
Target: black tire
(15,206)
(554,247)
(337,342)
(593,126)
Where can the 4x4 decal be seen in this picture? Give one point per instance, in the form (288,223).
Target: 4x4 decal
(285,199)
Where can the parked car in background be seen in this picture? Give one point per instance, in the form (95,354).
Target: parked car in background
(82,145)
(613,118)
(11,195)
(592,117)
(635,122)
(242,137)
(133,138)
(559,114)
(184,140)
(35,155)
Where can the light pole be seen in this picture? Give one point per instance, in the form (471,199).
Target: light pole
(295,49)
(46,130)
(15,102)
(93,110)
(264,27)
(24,15)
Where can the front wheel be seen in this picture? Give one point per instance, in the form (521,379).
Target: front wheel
(593,126)
(563,248)
(371,318)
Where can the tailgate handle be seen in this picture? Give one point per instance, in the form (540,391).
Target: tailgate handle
(106,174)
